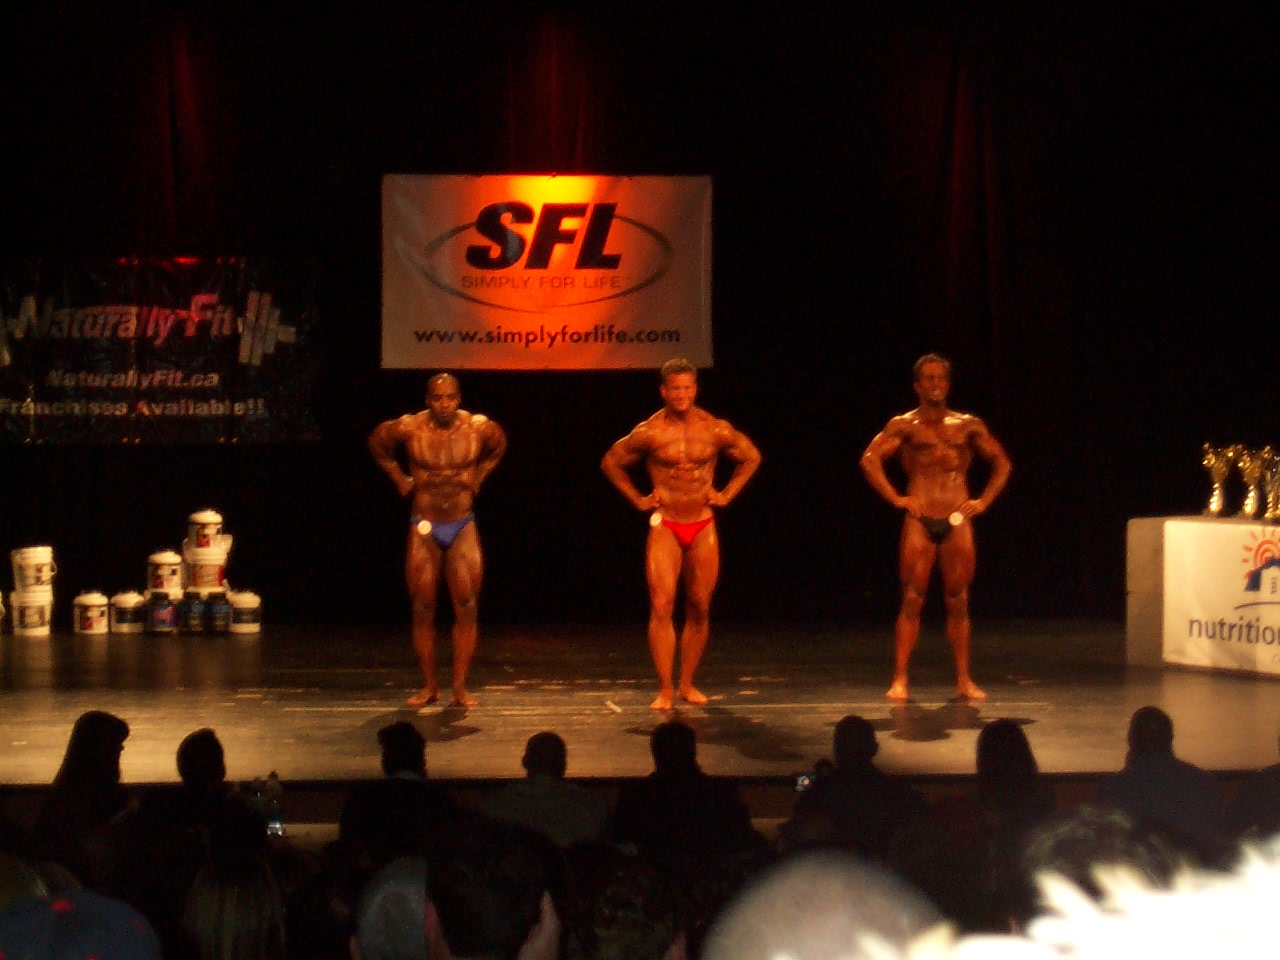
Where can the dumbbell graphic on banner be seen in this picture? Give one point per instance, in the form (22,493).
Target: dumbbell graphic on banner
(261,329)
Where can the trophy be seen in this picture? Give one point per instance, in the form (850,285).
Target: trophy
(1250,463)
(1271,483)
(1218,463)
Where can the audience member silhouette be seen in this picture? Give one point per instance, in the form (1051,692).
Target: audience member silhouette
(320,916)
(395,816)
(1200,913)
(1075,844)
(85,798)
(1156,787)
(391,921)
(678,814)
(930,856)
(203,803)
(1011,791)
(1255,812)
(822,905)
(1012,798)
(157,849)
(545,801)
(234,911)
(633,915)
(853,804)
(490,889)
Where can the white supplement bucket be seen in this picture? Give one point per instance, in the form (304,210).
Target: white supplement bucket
(90,612)
(33,568)
(204,528)
(32,612)
(206,566)
(128,613)
(246,612)
(164,572)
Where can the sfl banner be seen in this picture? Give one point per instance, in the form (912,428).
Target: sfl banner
(142,350)
(541,272)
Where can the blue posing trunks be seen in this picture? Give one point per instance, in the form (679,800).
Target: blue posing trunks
(444,532)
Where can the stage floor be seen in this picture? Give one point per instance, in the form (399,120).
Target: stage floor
(307,702)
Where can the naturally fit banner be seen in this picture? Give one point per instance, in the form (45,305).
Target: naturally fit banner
(545,272)
(157,351)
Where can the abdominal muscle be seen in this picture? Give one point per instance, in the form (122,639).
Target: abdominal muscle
(441,499)
(683,498)
(938,494)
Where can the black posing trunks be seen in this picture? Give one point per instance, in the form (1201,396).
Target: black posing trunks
(937,528)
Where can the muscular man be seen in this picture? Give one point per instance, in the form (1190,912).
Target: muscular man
(680,446)
(936,446)
(450,453)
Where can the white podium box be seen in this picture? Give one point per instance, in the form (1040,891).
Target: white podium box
(1203,592)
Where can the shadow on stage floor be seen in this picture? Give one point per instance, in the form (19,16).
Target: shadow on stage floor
(307,701)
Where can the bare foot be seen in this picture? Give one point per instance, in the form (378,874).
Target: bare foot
(968,690)
(423,697)
(692,694)
(463,699)
(665,700)
(898,691)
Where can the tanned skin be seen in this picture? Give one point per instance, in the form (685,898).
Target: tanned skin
(935,446)
(679,447)
(449,453)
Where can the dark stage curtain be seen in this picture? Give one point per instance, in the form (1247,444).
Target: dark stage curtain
(1076,203)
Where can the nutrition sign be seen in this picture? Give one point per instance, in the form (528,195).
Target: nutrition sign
(539,272)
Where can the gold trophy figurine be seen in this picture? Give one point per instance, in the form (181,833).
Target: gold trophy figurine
(1218,463)
(1250,463)
(1271,483)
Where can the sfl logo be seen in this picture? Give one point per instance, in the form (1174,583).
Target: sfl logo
(508,246)
(548,257)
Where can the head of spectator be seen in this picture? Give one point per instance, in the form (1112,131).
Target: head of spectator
(92,759)
(1077,844)
(633,916)
(1150,732)
(391,918)
(1004,753)
(545,754)
(854,743)
(235,911)
(1008,775)
(202,763)
(674,747)
(489,890)
(85,796)
(1205,913)
(404,750)
(821,906)
(80,926)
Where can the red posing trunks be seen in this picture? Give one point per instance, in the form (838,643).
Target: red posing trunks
(686,532)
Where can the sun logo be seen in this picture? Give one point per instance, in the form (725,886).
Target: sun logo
(1261,553)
